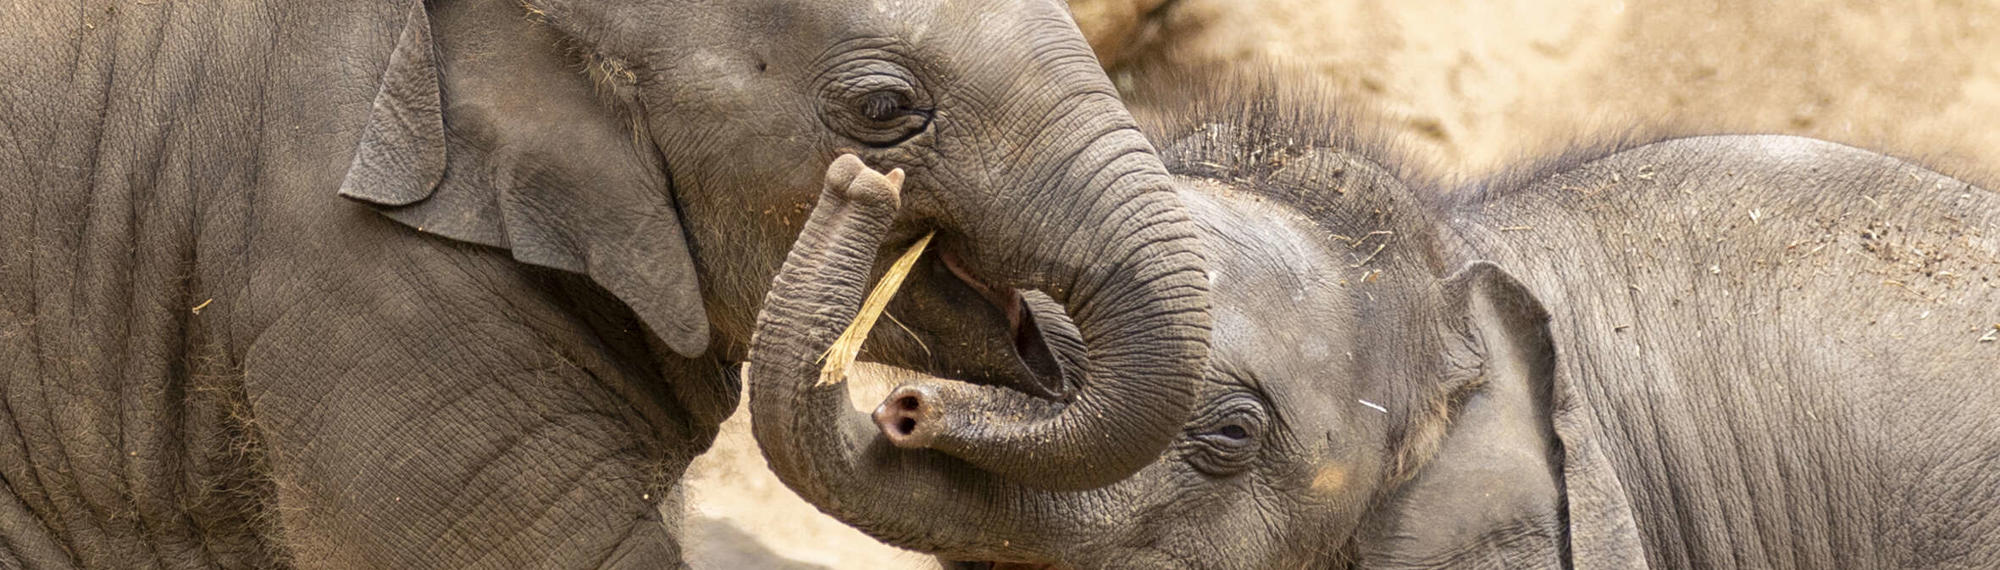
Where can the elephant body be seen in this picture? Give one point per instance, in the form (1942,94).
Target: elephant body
(212,361)
(1767,351)
(459,283)
(1718,351)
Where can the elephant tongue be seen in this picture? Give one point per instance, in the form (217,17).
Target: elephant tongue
(1028,336)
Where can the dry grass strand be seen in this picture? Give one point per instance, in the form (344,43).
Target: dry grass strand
(841,355)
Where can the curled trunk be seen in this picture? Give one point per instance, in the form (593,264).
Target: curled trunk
(988,455)
(1129,271)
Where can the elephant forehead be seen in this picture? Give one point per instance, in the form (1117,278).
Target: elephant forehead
(1273,282)
(912,20)
(903,8)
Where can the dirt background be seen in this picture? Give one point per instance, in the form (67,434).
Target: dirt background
(1479,84)
(1475,85)
(738,516)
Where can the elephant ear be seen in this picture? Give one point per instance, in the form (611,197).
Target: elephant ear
(1507,331)
(488,133)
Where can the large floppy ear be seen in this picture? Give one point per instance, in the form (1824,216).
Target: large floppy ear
(1490,327)
(488,132)
(1509,334)
(1494,321)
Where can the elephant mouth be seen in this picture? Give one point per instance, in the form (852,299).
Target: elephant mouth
(1048,377)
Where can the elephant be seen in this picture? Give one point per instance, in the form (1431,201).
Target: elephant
(1694,352)
(463,283)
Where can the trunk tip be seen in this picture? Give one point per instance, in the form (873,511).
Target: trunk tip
(909,417)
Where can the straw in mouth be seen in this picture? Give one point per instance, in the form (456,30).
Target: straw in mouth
(840,357)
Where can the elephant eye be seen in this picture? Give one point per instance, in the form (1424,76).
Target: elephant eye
(1226,435)
(875,103)
(885,118)
(1233,431)
(881,106)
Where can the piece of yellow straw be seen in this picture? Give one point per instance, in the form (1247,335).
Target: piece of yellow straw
(840,356)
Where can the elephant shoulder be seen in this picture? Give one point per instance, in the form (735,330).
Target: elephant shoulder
(1758,197)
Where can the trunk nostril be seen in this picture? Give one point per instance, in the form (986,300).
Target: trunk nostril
(903,419)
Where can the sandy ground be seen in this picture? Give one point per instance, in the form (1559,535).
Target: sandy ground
(1476,85)
(739,516)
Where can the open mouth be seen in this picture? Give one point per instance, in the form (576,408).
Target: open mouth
(1033,340)
(1047,351)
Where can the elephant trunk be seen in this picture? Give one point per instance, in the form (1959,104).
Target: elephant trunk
(1125,265)
(1080,209)
(1141,314)
(832,455)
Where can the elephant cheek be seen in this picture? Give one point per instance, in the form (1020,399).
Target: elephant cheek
(1330,481)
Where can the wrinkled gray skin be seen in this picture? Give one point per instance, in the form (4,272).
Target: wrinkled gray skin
(505,342)
(1728,351)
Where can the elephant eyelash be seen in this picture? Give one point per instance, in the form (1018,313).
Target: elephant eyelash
(1228,435)
(874,101)
(882,106)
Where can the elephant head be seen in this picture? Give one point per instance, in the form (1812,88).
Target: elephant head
(670,150)
(1342,353)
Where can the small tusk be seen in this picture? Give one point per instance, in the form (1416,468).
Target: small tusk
(1378,408)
